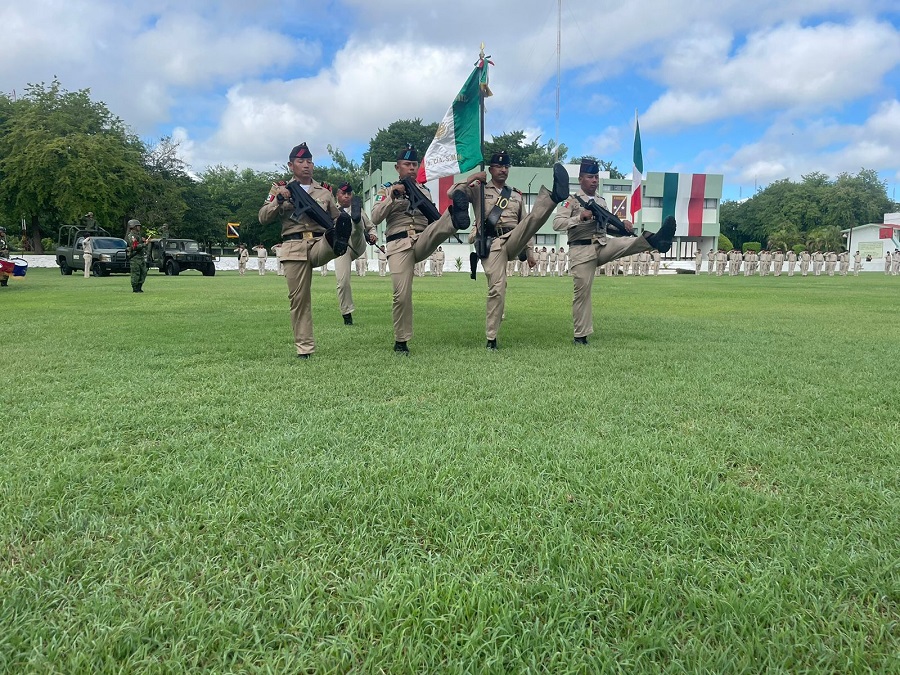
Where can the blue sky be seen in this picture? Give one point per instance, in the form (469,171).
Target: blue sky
(758,91)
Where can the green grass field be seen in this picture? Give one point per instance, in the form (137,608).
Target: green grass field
(710,486)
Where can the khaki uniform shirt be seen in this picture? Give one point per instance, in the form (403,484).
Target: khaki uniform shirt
(568,218)
(511,216)
(396,212)
(272,210)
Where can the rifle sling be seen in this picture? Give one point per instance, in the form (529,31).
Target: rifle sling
(494,216)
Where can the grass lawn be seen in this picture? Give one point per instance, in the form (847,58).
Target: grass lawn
(711,486)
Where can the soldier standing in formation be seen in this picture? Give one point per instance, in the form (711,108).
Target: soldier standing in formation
(710,259)
(261,256)
(355,251)
(553,259)
(791,261)
(779,262)
(382,262)
(411,238)
(805,259)
(590,246)
(306,244)
(563,262)
(87,248)
(857,263)
(844,263)
(276,251)
(721,259)
(439,259)
(4,253)
(513,228)
(137,246)
(887,262)
(243,256)
(818,262)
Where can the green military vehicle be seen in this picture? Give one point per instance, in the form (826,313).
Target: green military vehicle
(173,256)
(110,254)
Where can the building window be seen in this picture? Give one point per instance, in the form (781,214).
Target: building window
(710,203)
(653,202)
(545,239)
(617,188)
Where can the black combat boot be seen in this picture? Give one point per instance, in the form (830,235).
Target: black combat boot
(140,288)
(662,240)
(581,340)
(492,344)
(560,183)
(401,348)
(459,211)
(355,209)
(134,288)
(348,319)
(305,357)
(4,282)
(339,235)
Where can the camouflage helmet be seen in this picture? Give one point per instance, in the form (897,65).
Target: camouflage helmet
(133,224)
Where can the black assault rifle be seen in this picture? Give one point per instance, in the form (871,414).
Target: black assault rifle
(605,219)
(418,201)
(303,203)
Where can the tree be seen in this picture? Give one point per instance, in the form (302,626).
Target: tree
(604,166)
(386,143)
(522,153)
(62,155)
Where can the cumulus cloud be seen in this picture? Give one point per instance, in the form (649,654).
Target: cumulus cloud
(790,149)
(792,66)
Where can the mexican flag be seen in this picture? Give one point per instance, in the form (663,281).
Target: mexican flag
(456,147)
(683,195)
(637,173)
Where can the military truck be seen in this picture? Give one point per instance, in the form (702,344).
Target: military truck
(173,256)
(110,253)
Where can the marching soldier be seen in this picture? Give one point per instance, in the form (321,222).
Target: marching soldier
(590,246)
(411,238)
(306,243)
(512,227)
(857,263)
(791,261)
(344,197)
(137,246)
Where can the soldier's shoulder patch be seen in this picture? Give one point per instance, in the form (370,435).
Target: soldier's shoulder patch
(280,183)
(515,189)
(379,197)
(326,185)
(566,204)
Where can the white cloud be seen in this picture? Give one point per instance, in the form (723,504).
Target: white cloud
(789,66)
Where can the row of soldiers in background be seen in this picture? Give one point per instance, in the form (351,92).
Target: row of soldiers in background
(773,262)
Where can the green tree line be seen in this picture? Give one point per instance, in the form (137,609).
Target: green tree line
(809,213)
(63,155)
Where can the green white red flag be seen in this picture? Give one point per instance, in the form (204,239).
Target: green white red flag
(456,147)
(637,174)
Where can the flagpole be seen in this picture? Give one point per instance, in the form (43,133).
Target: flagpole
(481,95)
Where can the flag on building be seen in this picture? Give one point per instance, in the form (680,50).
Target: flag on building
(456,147)
(683,197)
(233,230)
(637,174)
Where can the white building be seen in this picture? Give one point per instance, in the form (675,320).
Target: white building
(875,239)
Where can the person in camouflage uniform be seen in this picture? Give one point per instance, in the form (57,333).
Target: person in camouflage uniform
(137,246)
(4,253)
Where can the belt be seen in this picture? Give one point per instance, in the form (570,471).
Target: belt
(300,235)
(503,230)
(399,235)
(581,242)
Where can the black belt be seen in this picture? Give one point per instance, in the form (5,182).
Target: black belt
(503,230)
(399,235)
(581,242)
(300,235)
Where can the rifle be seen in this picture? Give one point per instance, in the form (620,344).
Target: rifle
(418,201)
(605,218)
(303,203)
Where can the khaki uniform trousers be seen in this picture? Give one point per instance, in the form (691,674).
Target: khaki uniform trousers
(88,259)
(403,256)
(506,249)
(300,256)
(382,268)
(583,260)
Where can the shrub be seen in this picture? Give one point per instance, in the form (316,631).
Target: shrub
(751,246)
(798,248)
(725,243)
(48,245)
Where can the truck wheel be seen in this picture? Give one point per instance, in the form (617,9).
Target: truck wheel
(97,270)
(209,270)
(64,268)
(172,268)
